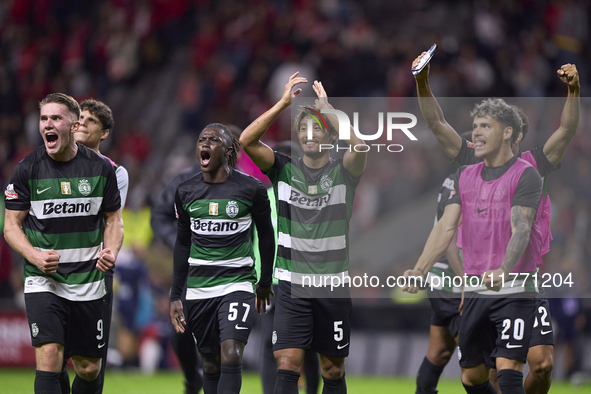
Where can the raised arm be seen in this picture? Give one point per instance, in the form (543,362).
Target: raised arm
(353,161)
(46,261)
(250,139)
(448,138)
(569,121)
(437,243)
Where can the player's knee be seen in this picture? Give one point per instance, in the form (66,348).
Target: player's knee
(474,375)
(288,363)
(49,357)
(333,370)
(440,358)
(232,352)
(211,363)
(544,367)
(89,371)
(49,350)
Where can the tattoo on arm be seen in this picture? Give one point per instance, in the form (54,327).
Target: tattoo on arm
(521,223)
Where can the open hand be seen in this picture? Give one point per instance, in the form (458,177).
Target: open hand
(177,316)
(288,92)
(264,295)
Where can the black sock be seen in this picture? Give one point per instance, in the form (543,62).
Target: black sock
(230,379)
(510,381)
(428,377)
(482,388)
(185,349)
(65,380)
(81,386)
(286,382)
(338,386)
(47,382)
(210,383)
(311,371)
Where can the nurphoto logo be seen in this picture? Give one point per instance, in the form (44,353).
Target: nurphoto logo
(345,129)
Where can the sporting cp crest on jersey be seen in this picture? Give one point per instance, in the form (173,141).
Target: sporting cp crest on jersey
(232,209)
(213,208)
(84,187)
(325,182)
(66,189)
(34,330)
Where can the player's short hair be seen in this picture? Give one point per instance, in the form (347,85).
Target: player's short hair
(231,141)
(61,98)
(101,111)
(524,122)
(502,112)
(313,113)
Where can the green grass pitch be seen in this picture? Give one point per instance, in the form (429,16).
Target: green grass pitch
(20,381)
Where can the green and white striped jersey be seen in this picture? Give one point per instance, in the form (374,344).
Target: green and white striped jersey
(220,218)
(314,208)
(66,201)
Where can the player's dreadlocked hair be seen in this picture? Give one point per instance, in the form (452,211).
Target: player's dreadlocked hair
(507,115)
(231,141)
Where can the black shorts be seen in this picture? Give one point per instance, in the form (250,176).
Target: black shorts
(542,334)
(445,310)
(495,327)
(320,324)
(213,320)
(78,325)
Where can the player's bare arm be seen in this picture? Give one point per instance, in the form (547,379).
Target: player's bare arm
(353,161)
(453,256)
(113,241)
(569,121)
(437,243)
(47,261)
(250,139)
(521,223)
(448,138)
